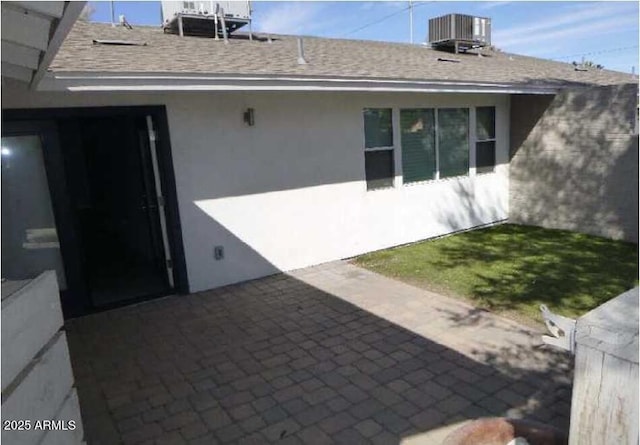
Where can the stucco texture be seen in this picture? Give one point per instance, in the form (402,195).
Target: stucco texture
(577,166)
(290,191)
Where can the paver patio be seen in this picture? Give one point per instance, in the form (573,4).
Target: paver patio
(328,354)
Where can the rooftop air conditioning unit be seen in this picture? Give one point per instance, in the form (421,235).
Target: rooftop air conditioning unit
(459,31)
(204,18)
(232,9)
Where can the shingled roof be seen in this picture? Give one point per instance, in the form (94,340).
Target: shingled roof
(330,58)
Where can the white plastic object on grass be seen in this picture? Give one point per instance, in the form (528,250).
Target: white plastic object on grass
(518,441)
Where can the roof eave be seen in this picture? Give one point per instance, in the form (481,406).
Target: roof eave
(154,82)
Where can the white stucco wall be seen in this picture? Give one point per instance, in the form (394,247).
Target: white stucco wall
(290,191)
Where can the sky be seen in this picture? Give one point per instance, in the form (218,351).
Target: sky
(603,32)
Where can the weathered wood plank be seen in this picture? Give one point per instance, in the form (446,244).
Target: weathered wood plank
(52,9)
(31,316)
(612,327)
(38,392)
(25,29)
(16,72)
(20,55)
(588,369)
(619,398)
(70,411)
(604,406)
(10,287)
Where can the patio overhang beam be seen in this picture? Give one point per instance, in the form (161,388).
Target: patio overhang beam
(32,33)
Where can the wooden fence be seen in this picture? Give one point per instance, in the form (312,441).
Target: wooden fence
(39,403)
(604,406)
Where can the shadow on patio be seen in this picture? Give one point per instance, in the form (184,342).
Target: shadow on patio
(278,360)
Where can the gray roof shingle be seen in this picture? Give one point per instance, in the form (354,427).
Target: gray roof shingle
(168,53)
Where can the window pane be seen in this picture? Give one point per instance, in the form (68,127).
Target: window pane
(379,168)
(485,156)
(377,127)
(486,123)
(29,233)
(453,141)
(418,145)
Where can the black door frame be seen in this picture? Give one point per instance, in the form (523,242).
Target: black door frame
(47,131)
(26,120)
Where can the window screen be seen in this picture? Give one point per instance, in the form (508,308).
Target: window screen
(379,168)
(453,141)
(485,156)
(418,139)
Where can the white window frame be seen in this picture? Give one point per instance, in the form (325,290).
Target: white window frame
(392,148)
(476,139)
(470,145)
(436,123)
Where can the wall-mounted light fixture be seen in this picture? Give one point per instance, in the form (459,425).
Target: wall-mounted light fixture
(248,117)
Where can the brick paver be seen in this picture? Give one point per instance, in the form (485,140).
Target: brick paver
(329,354)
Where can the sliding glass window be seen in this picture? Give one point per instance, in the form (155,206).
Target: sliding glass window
(418,139)
(453,141)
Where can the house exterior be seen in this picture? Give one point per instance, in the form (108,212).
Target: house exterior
(267,163)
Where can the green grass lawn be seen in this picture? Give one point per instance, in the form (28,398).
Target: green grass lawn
(513,269)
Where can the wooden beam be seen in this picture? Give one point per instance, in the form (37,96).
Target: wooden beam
(20,55)
(51,9)
(16,72)
(31,316)
(70,410)
(71,13)
(39,391)
(24,28)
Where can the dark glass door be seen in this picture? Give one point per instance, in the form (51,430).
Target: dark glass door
(115,202)
(82,195)
(30,243)
(37,222)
